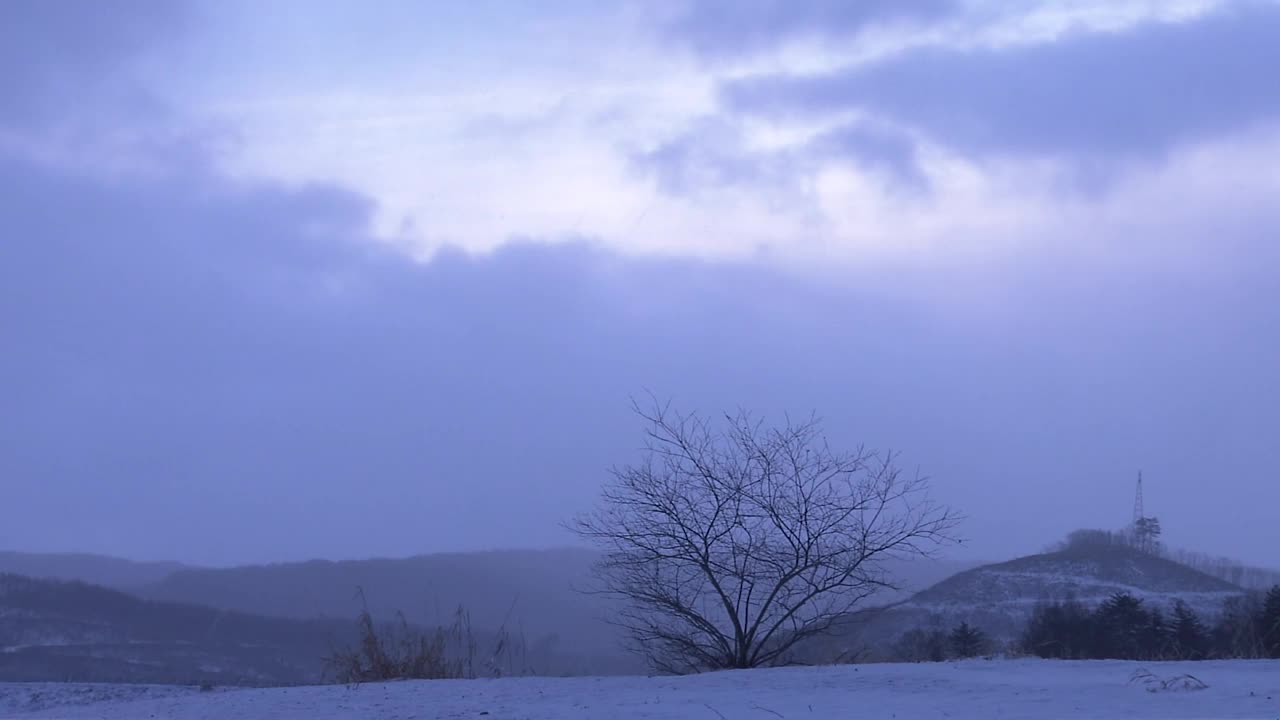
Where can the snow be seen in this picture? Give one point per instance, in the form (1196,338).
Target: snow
(21,699)
(970,689)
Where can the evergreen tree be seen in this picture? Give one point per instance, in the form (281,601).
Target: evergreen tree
(921,645)
(1040,637)
(1236,633)
(1269,623)
(1122,625)
(1157,637)
(1060,630)
(1147,534)
(967,641)
(1190,639)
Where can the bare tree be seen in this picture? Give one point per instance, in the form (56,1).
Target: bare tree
(730,546)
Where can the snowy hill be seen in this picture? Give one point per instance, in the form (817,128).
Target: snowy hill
(1089,574)
(1000,597)
(972,689)
(75,631)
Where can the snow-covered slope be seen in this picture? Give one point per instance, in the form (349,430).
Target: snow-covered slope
(1000,598)
(59,630)
(1089,574)
(972,689)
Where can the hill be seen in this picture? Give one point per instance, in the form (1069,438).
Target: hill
(1088,573)
(427,588)
(73,631)
(103,570)
(999,598)
(533,593)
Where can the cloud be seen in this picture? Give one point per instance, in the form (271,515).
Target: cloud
(227,368)
(191,356)
(723,28)
(878,149)
(718,155)
(184,357)
(1137,92)
(913,153)
(57,53)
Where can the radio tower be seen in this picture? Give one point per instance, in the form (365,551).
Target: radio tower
(1146,530)
(1138,513)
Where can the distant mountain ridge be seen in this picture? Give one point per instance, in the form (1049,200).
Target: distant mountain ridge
(535,594)
(112,572)
(55,630)
(529,591)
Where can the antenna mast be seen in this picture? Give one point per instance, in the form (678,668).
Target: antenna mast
(1138,512)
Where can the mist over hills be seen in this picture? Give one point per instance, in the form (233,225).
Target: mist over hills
(102,570)
(539,592)
(58,630)
(532,594)
(70,630)
(273,624)
(523,587)
(536,595)
(265,624)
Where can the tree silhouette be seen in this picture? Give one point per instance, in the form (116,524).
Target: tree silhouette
(967,641)
(1190,639)
(1122,624)
(1269,623)
(731,543)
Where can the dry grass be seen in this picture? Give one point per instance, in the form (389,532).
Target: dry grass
(400,651)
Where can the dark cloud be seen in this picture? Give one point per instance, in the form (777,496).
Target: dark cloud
(725,28)
(1112,95)
(890,152)
(60,56)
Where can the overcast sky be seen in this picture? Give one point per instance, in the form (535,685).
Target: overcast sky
(337,279)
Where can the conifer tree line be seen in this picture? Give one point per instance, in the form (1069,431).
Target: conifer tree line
(1125,628)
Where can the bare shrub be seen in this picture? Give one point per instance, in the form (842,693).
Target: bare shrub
(401,651)
(1152,683)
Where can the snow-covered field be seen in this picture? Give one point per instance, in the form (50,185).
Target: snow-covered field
(971,689)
